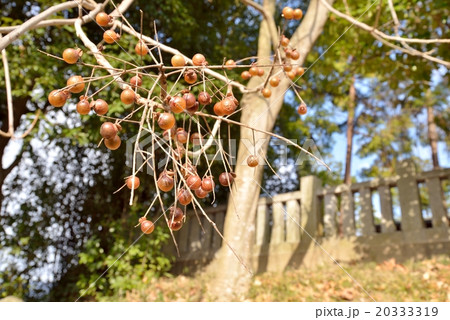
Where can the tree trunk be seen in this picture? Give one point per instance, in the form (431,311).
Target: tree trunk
(433,137)
(231,280)
(350,131)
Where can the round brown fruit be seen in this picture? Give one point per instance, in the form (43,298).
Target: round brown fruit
(110,36)
(266,92)
(284,41)
(141,49)
(246,75)
(127,96)
(288,13)
(200,193)
(136,81)
(165,182)
(274,81)
(260,72)
(230,64)
(291,74)
(114,143)
(302,109)
(147,226)
(228,106)
(299,71)
(103,19)
(254,71)
(298,14)
(57,98)
(208,184)
(176,214)
(175,225)
(190,99)
(196,138)
(288,52)
(178,61)
(198,60)
(108,130)
(193,109)
(177,104)
(168,134)
(204,98)
(193,182)
(181,135)
(83,107)
(190,77)
(218,109)
(100,106)
(130,181)
(184,197)
(75,84)
(252,161)
(226,178)
(166,120)
(71,55)
(287,67)
(295,55)
(188,169)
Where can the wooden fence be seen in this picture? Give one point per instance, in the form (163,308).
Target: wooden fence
(403,217)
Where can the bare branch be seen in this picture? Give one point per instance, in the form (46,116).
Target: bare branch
(411,52)
(366,27)
(33,123)
(10,37)
(58,22)
(384,38)
(8,96)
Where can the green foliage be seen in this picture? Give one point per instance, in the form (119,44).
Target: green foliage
(141,262)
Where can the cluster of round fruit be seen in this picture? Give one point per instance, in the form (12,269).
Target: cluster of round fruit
(192,181)
(176,220)
(290,53)
(193,185)
(183,102)
(290,14)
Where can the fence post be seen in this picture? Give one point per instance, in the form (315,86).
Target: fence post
(437,203)
(387,220)
(409,196)
(348,212)
(329,218)
(309,204)
(262,222)
(366,214)
(278,221)
(293,221)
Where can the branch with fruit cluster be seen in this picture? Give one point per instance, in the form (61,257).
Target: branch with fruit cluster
(177,120)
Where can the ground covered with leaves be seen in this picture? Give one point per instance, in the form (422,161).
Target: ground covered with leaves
(427,280)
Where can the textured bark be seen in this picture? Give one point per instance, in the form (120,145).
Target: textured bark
(350,131)
(433,137)
(231,280)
